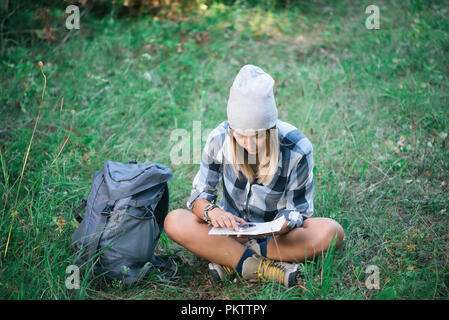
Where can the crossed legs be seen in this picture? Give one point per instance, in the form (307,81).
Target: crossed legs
(312,239)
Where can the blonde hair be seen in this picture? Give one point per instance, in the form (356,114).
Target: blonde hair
(268,160)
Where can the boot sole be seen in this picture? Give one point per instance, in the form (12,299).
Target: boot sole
(292,279)
(215,275)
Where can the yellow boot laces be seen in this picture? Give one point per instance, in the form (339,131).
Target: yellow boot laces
(270,271)
(228,270)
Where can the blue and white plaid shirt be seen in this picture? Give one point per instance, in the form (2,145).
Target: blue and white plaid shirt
(290,193)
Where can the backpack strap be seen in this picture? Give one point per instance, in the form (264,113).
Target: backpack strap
(161,210)
(138,203)
(79,209)
(106,211)
(105,214)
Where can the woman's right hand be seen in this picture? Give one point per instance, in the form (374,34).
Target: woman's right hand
(224,219)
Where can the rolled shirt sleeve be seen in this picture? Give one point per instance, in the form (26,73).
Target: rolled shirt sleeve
(206,182)
(299,192)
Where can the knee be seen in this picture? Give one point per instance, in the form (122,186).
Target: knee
(332,235)
(335,234)
(173,223)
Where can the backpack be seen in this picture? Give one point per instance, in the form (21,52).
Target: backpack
(124,216)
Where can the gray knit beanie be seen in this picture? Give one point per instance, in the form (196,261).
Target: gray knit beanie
(251,104)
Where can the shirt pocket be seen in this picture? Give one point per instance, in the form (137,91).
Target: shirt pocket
(265,198)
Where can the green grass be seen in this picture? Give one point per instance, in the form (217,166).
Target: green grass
(374,103)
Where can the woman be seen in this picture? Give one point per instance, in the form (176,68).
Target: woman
(265,166)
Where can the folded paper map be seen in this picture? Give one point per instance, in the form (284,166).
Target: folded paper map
(252,228)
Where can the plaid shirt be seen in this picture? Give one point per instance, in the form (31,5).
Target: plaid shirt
(290,193)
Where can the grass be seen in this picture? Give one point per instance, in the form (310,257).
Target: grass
(374,103)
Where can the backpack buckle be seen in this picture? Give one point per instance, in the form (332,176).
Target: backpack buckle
(108,208)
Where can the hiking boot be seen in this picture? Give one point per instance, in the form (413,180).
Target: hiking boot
(221,273)
(260,268)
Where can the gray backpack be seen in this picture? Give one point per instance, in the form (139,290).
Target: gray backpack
(124,216)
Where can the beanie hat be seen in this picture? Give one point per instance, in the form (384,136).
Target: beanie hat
(251,105)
